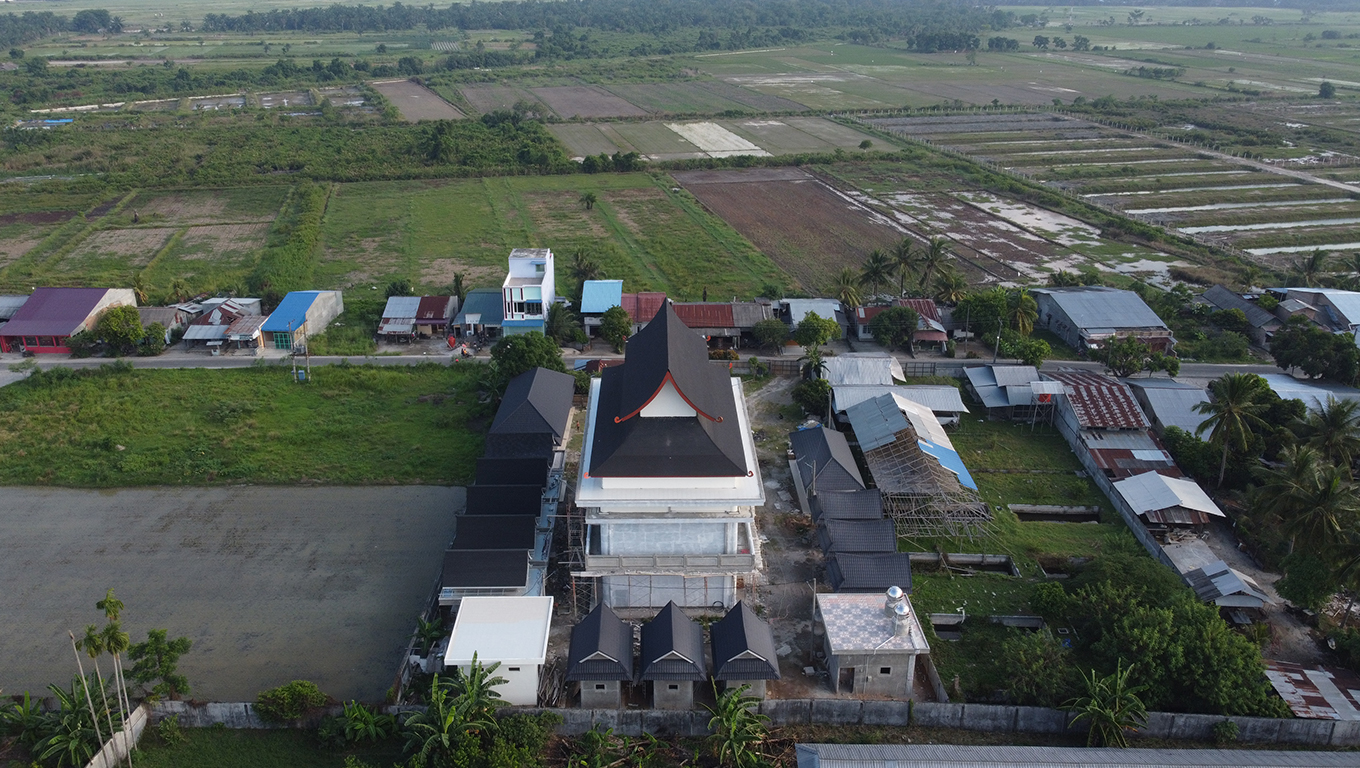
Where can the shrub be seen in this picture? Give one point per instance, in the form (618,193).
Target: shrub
(723,354)
(813,396)
(154,342)
(169,731)
(363,724)
(289,702)
(1225,732)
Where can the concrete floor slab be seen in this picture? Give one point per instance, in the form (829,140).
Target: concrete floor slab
(271,584)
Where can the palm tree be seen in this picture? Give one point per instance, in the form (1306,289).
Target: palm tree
(560,325)
(583,267)
(1021,311)
(139,288)
(904,263)
(933,260)
(1111,706)
(1334,430)
(950,286)
(846,288)
(1283,491)
(116,643)
(1331,507)
(877,270)
(589,199)
(179,290)
(93,646)
(1233,413)
(75,648)
(1311,267)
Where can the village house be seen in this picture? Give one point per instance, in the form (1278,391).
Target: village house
(792,311)
(482,314)
(668,479)
(300,315)
(929,325)
(1014,392)
(528,291)
(398,321)
(1107,430)
(1261,323)
(1086,316)
(601,658)
(743,650)
(51,316)
(432,315)
(598,297)
(1169,403)
(1332,308)
(225,322)
(171,319)
(672,658)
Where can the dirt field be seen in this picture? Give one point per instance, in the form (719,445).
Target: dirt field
(489,98)
(271,584)
(178,207)
(586,101)
(416,102)
(135,247)
(216,240)
(803,225)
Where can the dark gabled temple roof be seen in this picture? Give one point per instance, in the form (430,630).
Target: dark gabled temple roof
(850,572)
(672,647)
(494,470)
(825,454)
(494,532)
(601,647)
(743,646)
(486,568)
(520,446)
(504,499)
(857,535)
(627,444)
(536,401)
(847,505)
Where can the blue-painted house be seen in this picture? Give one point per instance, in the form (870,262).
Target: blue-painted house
(299,315)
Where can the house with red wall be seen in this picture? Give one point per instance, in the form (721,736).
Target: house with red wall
(53,315)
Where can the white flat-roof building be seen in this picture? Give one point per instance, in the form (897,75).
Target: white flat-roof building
(509,630)
(528,290)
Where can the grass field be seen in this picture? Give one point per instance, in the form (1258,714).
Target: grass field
(173,427)
(643,233)
(286,748)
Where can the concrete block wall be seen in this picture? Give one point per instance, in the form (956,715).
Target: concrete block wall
(785,712)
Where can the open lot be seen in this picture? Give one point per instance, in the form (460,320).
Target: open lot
(586,101)
(416,102)
(270,584)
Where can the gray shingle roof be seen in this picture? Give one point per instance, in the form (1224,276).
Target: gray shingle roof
(601,647)
(864,504)
(672,647)
(851,572)
(824,454)
(857,535)
(486,568)
(536,402)
(494,532)
(1222,298)
(743,646)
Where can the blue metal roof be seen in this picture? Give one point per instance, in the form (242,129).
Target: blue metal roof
(291,313)
(600,295)
(949,459)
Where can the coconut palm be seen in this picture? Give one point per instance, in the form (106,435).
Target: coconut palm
(950,286)
(1331,507)
(1111,707)
(139,288)
(933,260)
(1310,267)
(904,263)
(1234,412)
(1283,490)
(116,643)
(1334,430)
(846,288)
(179,290)
(1021,311)
(589,199)
(877,270)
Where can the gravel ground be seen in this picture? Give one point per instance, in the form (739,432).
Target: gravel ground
(271,584)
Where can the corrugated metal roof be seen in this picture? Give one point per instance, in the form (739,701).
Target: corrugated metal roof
(291,313)
(9,305)
(965,756)
(1321,693)
(855,370)
(876,422)
(1098,307)
(1313,394)
(798,308)
(1010,375)
(55,311)
(925,308)
(1151,492)
(745,314)
(401,306)
(705,314)
(938,398)
(642,307)
(1343,306)
(1217,580)
(434,309)
(1101,402)
(599,295)
(1176,407)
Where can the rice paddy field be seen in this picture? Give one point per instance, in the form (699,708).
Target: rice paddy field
(1271,212)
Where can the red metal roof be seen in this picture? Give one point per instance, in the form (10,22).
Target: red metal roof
(1101,402)
(642,307)
(705,315)
(923,307)
(433,308)
(1120,463)
(864,314)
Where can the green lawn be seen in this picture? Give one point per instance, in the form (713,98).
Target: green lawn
(222,748)
(351,424)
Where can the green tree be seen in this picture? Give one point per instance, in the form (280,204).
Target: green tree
(983,312)
(522,352)
(894,327)
(1039,668)
(813,396)
(876,270)
(1027,350)
(400,287)
(153,343)
(589,199)
(845,287)
(156,663)
(770,333)
(814,331)
(1124,356)
(120,328)
(1111,707)
(615,327)
(738,731)
(1308,581)
(560,325)
(1318,353)
(1326,90)
(1234,413)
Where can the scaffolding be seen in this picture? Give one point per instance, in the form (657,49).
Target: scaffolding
(923,498)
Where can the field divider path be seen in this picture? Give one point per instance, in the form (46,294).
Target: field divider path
(169,244)
(91,227)
(705,223)
(640,254)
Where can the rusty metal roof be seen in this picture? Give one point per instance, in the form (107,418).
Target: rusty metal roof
(642,307)
(1101,402)
(1321,693)
(705,315)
